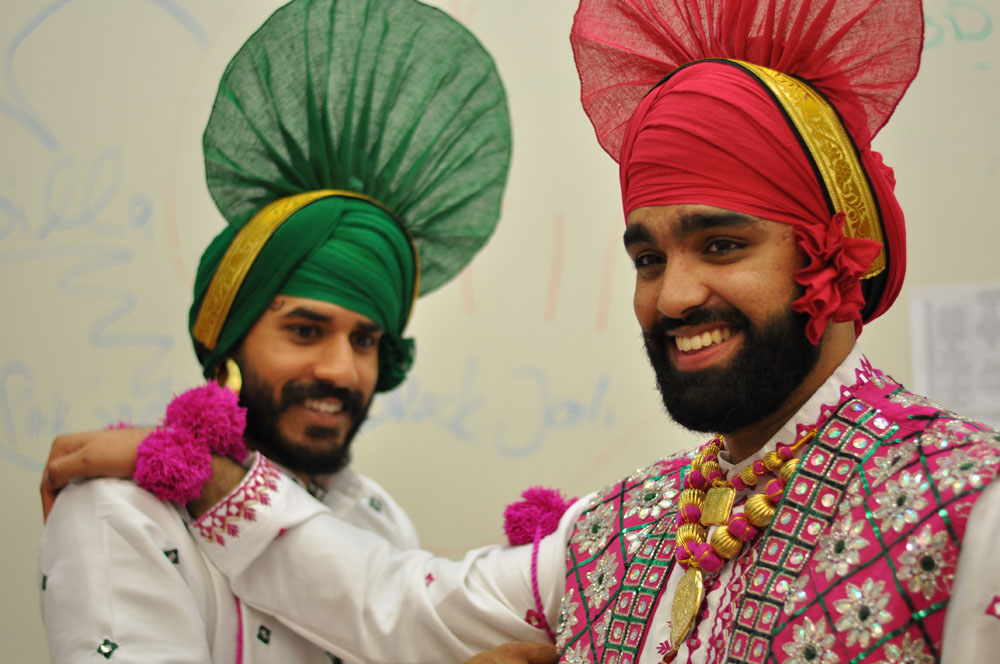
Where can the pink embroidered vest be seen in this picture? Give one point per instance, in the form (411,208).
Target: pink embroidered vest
(857,561)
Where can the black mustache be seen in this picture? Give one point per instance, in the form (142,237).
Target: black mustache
(733,317)
(351,400)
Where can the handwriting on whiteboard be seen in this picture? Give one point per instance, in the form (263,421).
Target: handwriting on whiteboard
(461,412)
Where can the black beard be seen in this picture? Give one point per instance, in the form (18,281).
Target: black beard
(263,413)
(775,358)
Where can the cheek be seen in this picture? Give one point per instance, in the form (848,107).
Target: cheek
(367,368)
(644,305)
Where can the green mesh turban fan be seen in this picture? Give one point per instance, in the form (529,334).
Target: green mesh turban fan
(358,150)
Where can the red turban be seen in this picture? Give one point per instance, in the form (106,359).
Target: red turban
(713,134)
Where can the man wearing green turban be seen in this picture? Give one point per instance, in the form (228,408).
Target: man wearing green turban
(358,150)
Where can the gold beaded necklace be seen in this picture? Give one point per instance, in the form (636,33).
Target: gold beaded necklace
(707,500)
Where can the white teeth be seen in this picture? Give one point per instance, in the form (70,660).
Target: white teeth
(703,340)
(324,406)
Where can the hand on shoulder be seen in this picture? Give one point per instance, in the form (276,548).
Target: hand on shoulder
(103,453)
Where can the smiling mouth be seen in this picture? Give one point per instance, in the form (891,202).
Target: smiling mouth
(323,406)
(703,339)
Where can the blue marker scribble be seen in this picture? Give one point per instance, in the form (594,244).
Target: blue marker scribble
(462,415)
(12,217)
(61,189)
(18,108)
(557,413)
(12,373)
(186,20)
(411,403)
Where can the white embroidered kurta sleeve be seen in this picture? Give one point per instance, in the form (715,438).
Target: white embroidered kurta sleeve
(122,580)
(352,592)
(972,624)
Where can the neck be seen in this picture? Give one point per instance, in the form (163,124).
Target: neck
(305,478)
(836,345)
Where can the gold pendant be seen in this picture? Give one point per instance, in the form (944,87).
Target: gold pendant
(687,600)
(718,505)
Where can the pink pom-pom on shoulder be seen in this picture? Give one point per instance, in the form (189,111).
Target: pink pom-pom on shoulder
(527,522)
(172,465)
(213,415)
(538,513)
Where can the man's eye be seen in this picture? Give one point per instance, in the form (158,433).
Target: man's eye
(364,339)
(304,331)
(646,260)
(722,246)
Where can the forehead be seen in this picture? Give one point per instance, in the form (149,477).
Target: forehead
(289,307)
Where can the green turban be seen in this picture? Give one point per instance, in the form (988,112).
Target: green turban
(395,107)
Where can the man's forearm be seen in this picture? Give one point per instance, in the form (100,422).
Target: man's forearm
(226,476)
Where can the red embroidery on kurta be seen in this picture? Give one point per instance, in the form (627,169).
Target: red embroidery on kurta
(994,607)
(223,519)
(429,579)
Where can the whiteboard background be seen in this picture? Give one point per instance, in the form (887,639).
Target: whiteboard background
(529,366)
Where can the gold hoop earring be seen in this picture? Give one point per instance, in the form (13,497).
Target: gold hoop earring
(231,376)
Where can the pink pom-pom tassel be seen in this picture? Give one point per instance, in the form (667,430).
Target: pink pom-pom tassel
(213,415)
(538,512)
(172,465)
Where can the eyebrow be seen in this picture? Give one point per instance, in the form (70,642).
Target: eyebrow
(690,224)
(635,233)
(370,328)
(699,221)
(308,314)
(316,317)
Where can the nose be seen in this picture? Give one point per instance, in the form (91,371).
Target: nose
(682,290)
(335,362)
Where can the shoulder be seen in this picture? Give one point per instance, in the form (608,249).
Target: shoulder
(663,473)
(643,496)
(363,502)
(928,457)
(106,497)
(921,428)
(83,508)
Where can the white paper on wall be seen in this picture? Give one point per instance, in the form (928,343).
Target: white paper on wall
(955,333)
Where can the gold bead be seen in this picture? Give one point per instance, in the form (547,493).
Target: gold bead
(724,543)
(710,467)
(759,510)
(690,532)
(748,477)
(788,470)
(694,497)
(696,462)
(773,461)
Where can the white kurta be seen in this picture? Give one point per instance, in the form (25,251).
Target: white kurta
(122,579)
(357,594)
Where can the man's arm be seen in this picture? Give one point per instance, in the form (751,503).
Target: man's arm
(120,577)
(344,588)
(972,623)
